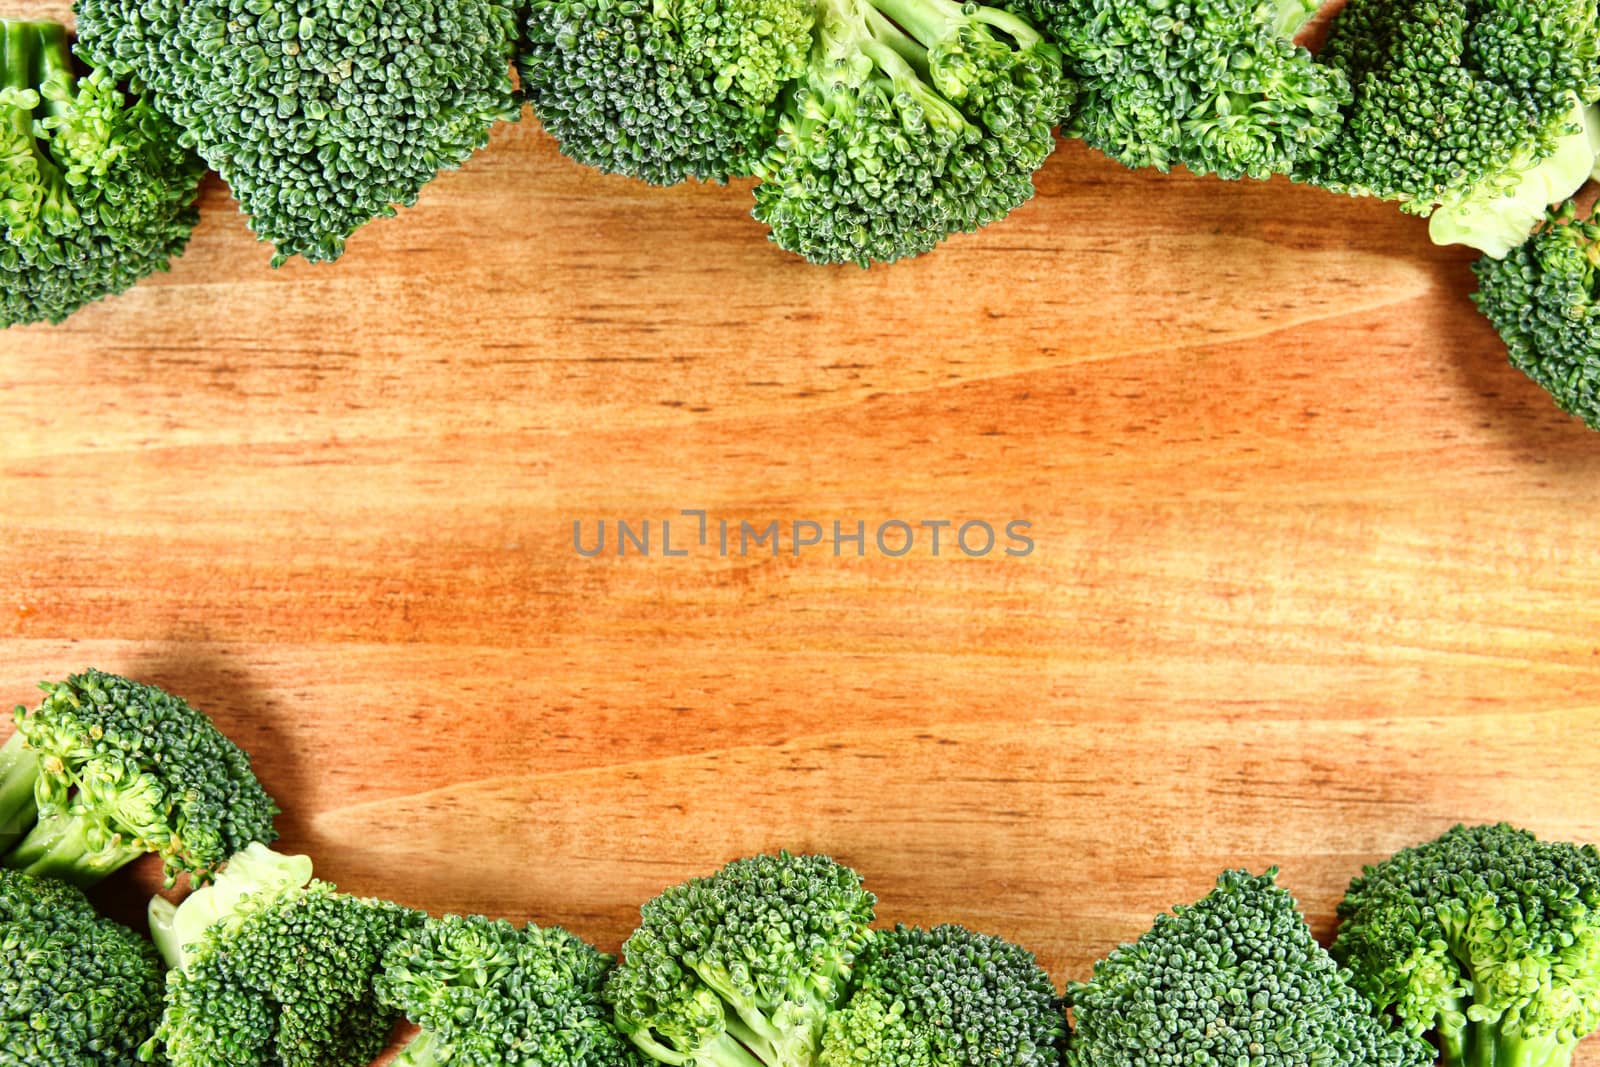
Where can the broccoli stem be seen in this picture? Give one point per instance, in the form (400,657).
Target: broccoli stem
(58,847)
(722,1052)
(931,21)
(1294,14)
(1485,1044)
(19,773)
(421,1051)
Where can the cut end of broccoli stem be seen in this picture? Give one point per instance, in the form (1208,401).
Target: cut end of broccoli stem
(19,771)
(421,1051)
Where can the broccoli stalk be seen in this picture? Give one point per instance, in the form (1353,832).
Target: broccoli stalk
(19,771)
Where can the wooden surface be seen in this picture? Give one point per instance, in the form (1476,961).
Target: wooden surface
(1316,573)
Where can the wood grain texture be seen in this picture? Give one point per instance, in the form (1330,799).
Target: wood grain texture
(1315,573)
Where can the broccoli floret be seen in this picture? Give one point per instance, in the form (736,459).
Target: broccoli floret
(1234,979)
(915,119)
(274,970)
(320,115)
(741,968)
(95,190)
(1487,938)
(1544,299)
(487,993)
(106,769)
(76,990)
(1471,111)
(663,90)
(945,997)
(1218,86)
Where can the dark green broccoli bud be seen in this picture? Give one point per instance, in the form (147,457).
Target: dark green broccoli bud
(740,969)
(1218,86)
(1486,938)
(320,115)
(945,997)
(663,90)
(76,990)
(915,119)
(1471,111)
(1234,979)
(273,969)
(1544,299)
(487,993)
(117,769)
(95,190)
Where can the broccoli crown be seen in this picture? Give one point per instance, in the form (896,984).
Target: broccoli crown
(945,997)
(124,768)
(914,119)
(284,979)
(740,969)
(95,190)
(1217,86)
(663,90)
(76,990)
(320,115)
(489,994)
(1236,978)
(1544,299)
(1487,937)
(1455,100)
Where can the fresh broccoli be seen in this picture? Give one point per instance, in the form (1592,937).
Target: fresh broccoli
(106,769)
(1234,979)
(76,990)
(320,115)
(274,969)
(663,90)
(1218,86)
(95,190)
(487,993)
(1486,938)
(740,969)
(1544,299)
(1475,112)
(914,119)
(945,997)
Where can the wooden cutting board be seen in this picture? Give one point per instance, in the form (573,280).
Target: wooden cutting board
(1314,572)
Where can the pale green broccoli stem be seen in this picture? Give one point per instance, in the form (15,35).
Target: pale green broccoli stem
(1488,1046)
(724,1051)
(422,1051)
(931,21)
(1293,15)
(886,48)
(19,771)
(58,847)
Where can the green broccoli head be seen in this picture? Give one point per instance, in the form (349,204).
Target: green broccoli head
(320,115)
(487,993)
(106,769)
(945,997)
(741,968)
(76,990)
(663,90)
(1487,938)
(274,972)
(914,119)
(1236,978)
(1544,299)
(95,190)
(1472,111)
(1217,86)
